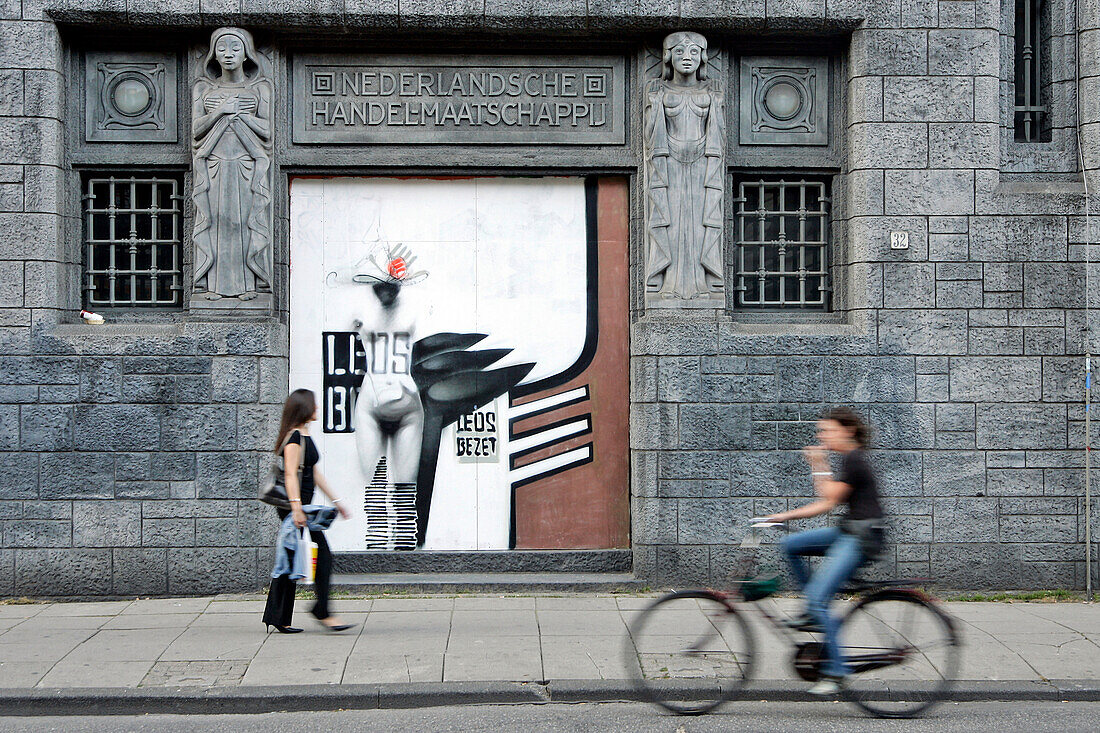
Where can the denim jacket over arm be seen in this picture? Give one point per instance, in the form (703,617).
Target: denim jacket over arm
(318,518)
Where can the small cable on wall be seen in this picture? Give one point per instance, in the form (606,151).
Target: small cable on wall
(1088,295)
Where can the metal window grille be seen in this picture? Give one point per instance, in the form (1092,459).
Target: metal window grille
(782,244)
(132,246)
(1030,112)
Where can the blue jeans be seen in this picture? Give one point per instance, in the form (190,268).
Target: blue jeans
(843,556)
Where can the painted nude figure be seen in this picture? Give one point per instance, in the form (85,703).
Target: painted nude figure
(684,134)
(388,408)
(231,114)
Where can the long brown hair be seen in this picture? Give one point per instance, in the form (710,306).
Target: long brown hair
(848,417)
(297,410)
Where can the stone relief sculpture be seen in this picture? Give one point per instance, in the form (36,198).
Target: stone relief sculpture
(232,144)
(685,163)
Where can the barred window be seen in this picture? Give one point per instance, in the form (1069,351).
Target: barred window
(133,255)
(782,244)
(1031,111)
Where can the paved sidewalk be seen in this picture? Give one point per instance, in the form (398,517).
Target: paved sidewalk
(220,644)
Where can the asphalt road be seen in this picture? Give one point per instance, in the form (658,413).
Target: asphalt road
(1033,717)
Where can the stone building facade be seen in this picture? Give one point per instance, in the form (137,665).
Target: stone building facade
(952,306)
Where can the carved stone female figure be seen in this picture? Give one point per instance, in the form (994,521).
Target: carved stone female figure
(684,136)
(231,113)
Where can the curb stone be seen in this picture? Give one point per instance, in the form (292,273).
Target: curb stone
(297,698)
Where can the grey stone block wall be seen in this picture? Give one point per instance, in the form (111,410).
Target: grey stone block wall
(133,456)
(965,351)
(130,451)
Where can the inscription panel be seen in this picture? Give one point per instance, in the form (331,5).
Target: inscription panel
(469,100)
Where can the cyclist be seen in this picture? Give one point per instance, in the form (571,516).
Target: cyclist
(857,539)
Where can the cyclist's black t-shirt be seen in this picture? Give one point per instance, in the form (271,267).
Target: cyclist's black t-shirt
(312,457)
(863,499)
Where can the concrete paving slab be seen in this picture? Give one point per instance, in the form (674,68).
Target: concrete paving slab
(201,673)
(376,641)
(37,624)
(985,658)
(576,603)
(382,667)
(244,621)
(486,659)
(22,674)
(1052,654)
(36,629)
(320,644)
(1081,617)
(413,604)
(99,673)
(255,607)
(994,616)
(502,623)
(39,652)
(635,603)
(124,645)
(493,603)
(215,644)
(161,606)
(409,623)
(581,623)
(301,670)
(345,605)
(581,657)
(21,610)
(670,621)
(167,621)
(99,608)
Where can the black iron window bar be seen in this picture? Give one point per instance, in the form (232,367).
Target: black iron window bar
(782,244)
(1029,112)
(132,244)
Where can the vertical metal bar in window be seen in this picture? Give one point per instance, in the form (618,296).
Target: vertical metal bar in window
(761,257)
(1037,63)
(112,215)
(802,247)
(740,287)
(1027,58)
(154,242)
(134,290)
(89,228)
(177,266)
(781,250)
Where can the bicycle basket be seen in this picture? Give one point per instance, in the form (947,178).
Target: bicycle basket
(761,586)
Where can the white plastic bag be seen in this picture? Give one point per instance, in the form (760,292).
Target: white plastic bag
(307,546)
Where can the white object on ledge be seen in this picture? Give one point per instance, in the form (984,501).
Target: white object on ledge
(91,318)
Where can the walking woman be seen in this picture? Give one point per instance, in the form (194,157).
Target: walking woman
(856,540)
(299,411)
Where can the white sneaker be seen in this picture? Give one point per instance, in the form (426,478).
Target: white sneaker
(827,686)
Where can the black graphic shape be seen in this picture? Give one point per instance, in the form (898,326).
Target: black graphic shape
(452,382)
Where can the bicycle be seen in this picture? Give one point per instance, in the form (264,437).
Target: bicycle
(690,651)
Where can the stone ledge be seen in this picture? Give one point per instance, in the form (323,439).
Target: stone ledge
(266,699)
(502,561)
(492,15)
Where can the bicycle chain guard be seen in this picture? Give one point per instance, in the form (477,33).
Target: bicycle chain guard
(807,660)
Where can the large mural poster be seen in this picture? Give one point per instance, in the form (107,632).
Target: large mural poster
(468,340)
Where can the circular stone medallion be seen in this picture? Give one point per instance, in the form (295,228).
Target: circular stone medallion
(131,97)
(783,100)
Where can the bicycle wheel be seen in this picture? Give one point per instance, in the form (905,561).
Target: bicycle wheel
(903,652)
(689,651)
